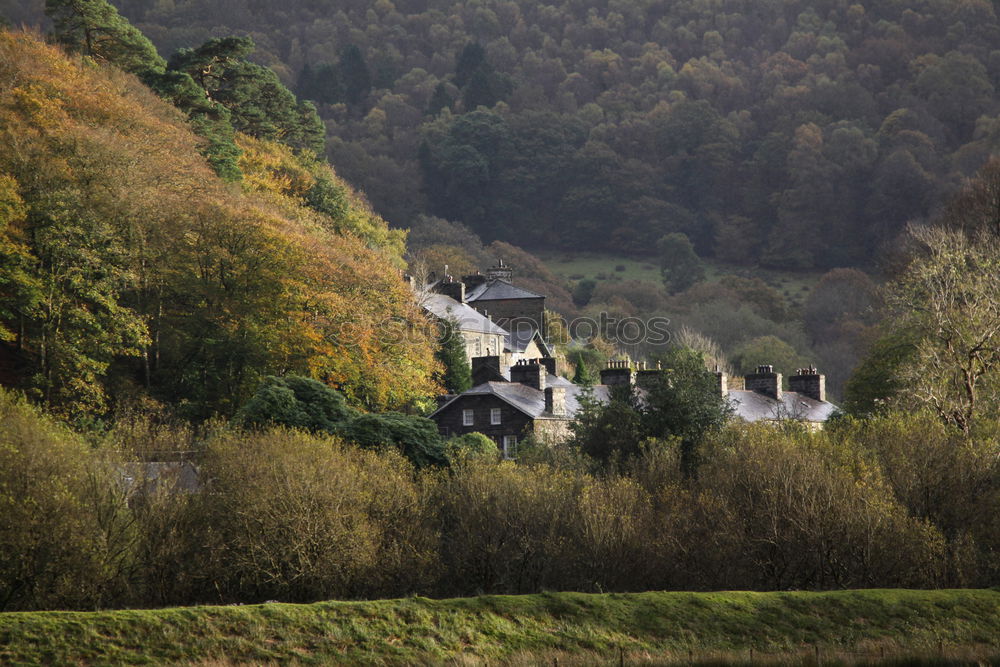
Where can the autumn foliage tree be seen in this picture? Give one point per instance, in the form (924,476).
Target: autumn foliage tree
(140,268)
(948,298)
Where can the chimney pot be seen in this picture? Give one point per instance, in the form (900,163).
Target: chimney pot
(764,381)
(617,373)
(529,372)
(500,272)
(808,382)
(453,288)
(646,378)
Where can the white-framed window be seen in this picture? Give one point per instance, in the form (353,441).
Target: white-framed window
(494,416)
(468,418)
(509,446)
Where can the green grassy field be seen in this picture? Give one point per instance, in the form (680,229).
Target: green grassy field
(794,286)
(845,627)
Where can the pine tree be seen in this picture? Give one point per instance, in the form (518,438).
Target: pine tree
(257,102)
(471,60)
(321,84)
(441,99)
(457,375)
(95,28)
(582,376)
(209,119)
(354,74)
(479,92)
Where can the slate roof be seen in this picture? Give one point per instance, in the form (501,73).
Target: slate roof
(519,339)
(494,290)
(529,400)
(752,406)
(467,317)
(747,405)
(550,379)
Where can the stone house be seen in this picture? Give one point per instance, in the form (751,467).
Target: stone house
(518,392)
(482,337)
(513,308)
(762,397)
(756,397)
(511,403)
(508,404)
(486,307)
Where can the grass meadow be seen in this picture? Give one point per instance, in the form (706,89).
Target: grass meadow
(845,627)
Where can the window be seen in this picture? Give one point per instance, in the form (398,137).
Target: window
(494,416)
(467,418)
(509,446)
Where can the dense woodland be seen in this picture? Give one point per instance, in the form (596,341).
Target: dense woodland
(791,134)
(133,271)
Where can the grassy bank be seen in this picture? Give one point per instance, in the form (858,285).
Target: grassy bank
(569,628)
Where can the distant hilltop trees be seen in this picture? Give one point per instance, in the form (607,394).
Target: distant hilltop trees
(793,135)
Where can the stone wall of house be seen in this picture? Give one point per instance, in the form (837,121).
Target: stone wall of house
(479,344)
(512,421)
(509,312)
(552,431)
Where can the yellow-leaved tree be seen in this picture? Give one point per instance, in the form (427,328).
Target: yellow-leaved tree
(150,275)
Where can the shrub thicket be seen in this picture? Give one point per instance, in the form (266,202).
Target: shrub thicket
(287,515)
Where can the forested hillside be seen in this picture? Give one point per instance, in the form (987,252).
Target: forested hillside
(133,270)
(192,299)
(793,134)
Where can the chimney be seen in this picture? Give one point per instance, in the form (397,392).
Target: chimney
(529,372)
(453,288)
(721,382)
(486,369)
(500,272)
(646,378)
(764,381)
(474,280)
(808,382)
(555,401)
(551,365)
(617,373)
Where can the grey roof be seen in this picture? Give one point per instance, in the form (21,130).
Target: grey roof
(529,400)
(494,290)
(753,406)
(519,339)
(467,317)
(550,379)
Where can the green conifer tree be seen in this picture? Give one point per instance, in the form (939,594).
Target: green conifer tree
(582,376)
(441,99)
(457,375)
(354,74)
(95,28)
